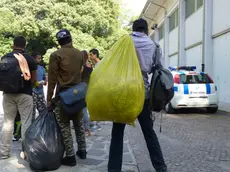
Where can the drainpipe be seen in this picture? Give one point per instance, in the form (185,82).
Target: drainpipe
(203,45)
(181,34)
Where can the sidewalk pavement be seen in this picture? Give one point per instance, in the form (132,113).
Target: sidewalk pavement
(97,159)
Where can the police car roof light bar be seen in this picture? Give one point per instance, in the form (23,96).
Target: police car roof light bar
(172,68)
(187,68)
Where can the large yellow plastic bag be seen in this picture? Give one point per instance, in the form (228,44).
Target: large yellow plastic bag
(116,88)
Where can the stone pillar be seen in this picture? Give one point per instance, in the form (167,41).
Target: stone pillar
(181,46)
(166,41)
(207,58)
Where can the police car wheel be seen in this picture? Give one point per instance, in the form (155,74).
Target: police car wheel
(170,109)
(212,110)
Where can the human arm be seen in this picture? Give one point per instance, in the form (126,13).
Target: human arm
(82,69)
(52,76)
(33,70)
(44,77)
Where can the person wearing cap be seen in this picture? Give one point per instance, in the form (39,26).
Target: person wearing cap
(145,49)
(65,67)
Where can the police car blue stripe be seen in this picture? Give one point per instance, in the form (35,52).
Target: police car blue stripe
(186,89)
(175,89)
(208,88)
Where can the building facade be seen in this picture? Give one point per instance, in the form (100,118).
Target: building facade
(194,33)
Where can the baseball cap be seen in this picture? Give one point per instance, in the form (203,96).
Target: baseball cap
(63,33)
(140,25)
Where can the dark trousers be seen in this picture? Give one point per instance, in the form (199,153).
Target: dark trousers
(17,126)
(116,146)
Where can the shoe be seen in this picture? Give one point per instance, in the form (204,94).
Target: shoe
(2,157)
(99,128)
(15,139)
(69,161)
(96,127)
(81,154)
(23,156)
(163,170)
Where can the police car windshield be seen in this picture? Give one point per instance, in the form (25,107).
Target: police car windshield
(195,79)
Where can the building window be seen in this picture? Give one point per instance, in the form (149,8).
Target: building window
(192,6)
(161,32)
(199,3)
(173,21)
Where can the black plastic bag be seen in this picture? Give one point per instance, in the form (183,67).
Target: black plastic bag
(43,144)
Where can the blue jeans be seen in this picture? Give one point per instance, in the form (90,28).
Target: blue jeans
(86,118)
(116,147)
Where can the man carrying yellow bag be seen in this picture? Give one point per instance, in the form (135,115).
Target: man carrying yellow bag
(116,93)
(116,89)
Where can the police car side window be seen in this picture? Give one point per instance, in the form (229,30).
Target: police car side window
(183,79)
(201,78)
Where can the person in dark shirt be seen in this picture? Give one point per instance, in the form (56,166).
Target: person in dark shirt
(38,91)
(21,101)
(88,69)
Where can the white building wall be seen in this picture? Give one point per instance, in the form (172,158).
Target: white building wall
(173,60)
(194,35)
(221,63)
(194,28)
(221,52)
(221,15)
(194,57)
(173,41)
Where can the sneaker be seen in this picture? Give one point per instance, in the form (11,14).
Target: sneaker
(2,157)
(163,170)
(15,139)
(99,127)
(96,127)
(81,154)
(69,161)
(23,156)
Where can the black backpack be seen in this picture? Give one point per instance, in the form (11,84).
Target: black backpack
(161,88)
(11,77)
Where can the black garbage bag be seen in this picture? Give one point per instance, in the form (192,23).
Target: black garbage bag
(43,144)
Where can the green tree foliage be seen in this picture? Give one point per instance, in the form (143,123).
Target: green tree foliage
(93,23)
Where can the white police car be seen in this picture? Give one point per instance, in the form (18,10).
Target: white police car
(192,90)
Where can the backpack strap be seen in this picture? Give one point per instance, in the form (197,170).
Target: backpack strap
(155,53)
